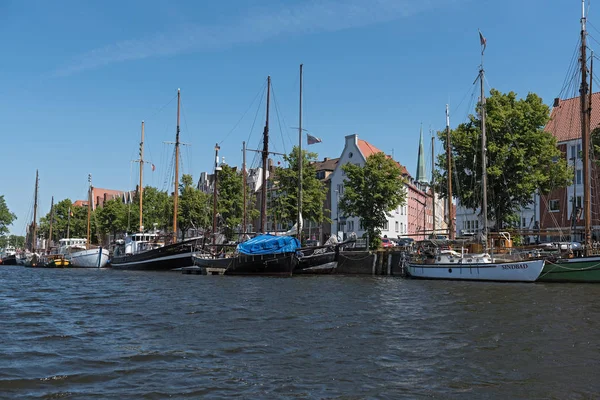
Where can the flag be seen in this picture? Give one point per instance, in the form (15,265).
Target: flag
(153,167)
(483,42)
(312,139)
(70,212)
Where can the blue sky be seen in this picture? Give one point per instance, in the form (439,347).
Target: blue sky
(79,77)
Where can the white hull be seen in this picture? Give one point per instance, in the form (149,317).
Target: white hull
(89,258)
(521,271)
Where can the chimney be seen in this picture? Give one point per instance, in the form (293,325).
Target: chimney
(325,159)
(556,102)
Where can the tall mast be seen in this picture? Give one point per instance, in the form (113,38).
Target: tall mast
(265,155)
(585,136)
(484,206)
(141,187)
(449,169)
(176,192)
(300,161)
(35,203)
(244,186)
(89,211)
(432,183)
(214,224)
(51,220)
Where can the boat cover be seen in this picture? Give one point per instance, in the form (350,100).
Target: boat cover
(269,244)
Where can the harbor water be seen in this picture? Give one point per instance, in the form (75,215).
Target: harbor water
(85,334)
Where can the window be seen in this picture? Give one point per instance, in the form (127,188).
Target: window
(524,222)
(578,177)
(386,226)
(554,205)
(401,227)
(397,226)
(350,226)
(573,153)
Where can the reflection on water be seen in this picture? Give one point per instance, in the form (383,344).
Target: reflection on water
(115,334)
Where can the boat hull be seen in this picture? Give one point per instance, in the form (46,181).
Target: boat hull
(525,271)
(317,263)
(165,258)
(281,264)
(92,258)
(580,270)
(9,260)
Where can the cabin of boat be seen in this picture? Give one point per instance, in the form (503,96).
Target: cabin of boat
(137,243)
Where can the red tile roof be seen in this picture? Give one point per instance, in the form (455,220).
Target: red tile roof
(367,149)
(80,203)
(565,118)
(100,195)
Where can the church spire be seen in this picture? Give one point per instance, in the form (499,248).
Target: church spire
(421,173)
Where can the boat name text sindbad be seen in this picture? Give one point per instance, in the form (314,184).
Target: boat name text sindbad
(515,266)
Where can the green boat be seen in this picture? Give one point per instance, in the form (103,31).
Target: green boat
(582,270)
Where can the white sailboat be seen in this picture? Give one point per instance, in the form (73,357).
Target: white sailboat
(79,251)
(449,264)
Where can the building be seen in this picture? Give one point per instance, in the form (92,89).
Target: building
(561,211)
(100,196)
(412,219)
(322,231)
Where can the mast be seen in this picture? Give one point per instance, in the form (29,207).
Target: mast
(265,155)
(432,183)
(244,185)
(51,220)
(89,211)
(300,161)
(449,168)
(176,192)
(35,204)
(214,224)
(141,187)
(585,136)
(484,206)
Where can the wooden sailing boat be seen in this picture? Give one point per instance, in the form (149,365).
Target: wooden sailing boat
(449,264)
(587,268)
(265,254)
(31,259)
(143,250)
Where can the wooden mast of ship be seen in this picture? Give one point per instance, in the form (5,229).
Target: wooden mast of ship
(35,204)
(449,178)
(141,187)
(51,221)
(300,161)
(89,211)
(585,136)
(176,191)
(265,156)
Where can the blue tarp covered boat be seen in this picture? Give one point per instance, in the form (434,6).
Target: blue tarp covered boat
(269,244)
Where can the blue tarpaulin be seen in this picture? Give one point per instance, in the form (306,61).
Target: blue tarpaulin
(269,244)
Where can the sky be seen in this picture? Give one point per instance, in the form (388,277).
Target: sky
(77,79)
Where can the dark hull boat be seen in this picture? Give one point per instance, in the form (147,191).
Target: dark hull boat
(264,255)
(164,258)
(10,260)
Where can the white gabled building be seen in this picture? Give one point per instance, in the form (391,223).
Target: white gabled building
(356,152)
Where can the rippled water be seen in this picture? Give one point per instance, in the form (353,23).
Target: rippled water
(129,335)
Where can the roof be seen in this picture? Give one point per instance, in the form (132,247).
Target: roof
(328,164)
(565,118)
(367,149)
(99,195)
(80,203)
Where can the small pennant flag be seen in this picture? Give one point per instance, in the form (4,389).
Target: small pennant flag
(312,139)
(153,167)
(483,42)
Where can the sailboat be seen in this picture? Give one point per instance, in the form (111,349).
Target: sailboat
(79,251)
(144,250)
(264,254)
(450,264)
(31,258)
(587,268)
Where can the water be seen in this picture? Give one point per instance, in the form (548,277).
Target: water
(87,334)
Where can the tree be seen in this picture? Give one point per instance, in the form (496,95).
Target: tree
(230,200)
(6,217)
(13,240)
(313,190)
(112,217)
(193,210)
(522,157)
(371,192)
(157,209)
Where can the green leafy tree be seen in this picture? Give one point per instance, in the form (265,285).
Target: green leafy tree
(112,217)
(6,217)
(157,209)
(193,207)
(371,192)
(13,240)
(286,189)
(75,226)
(522,157)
